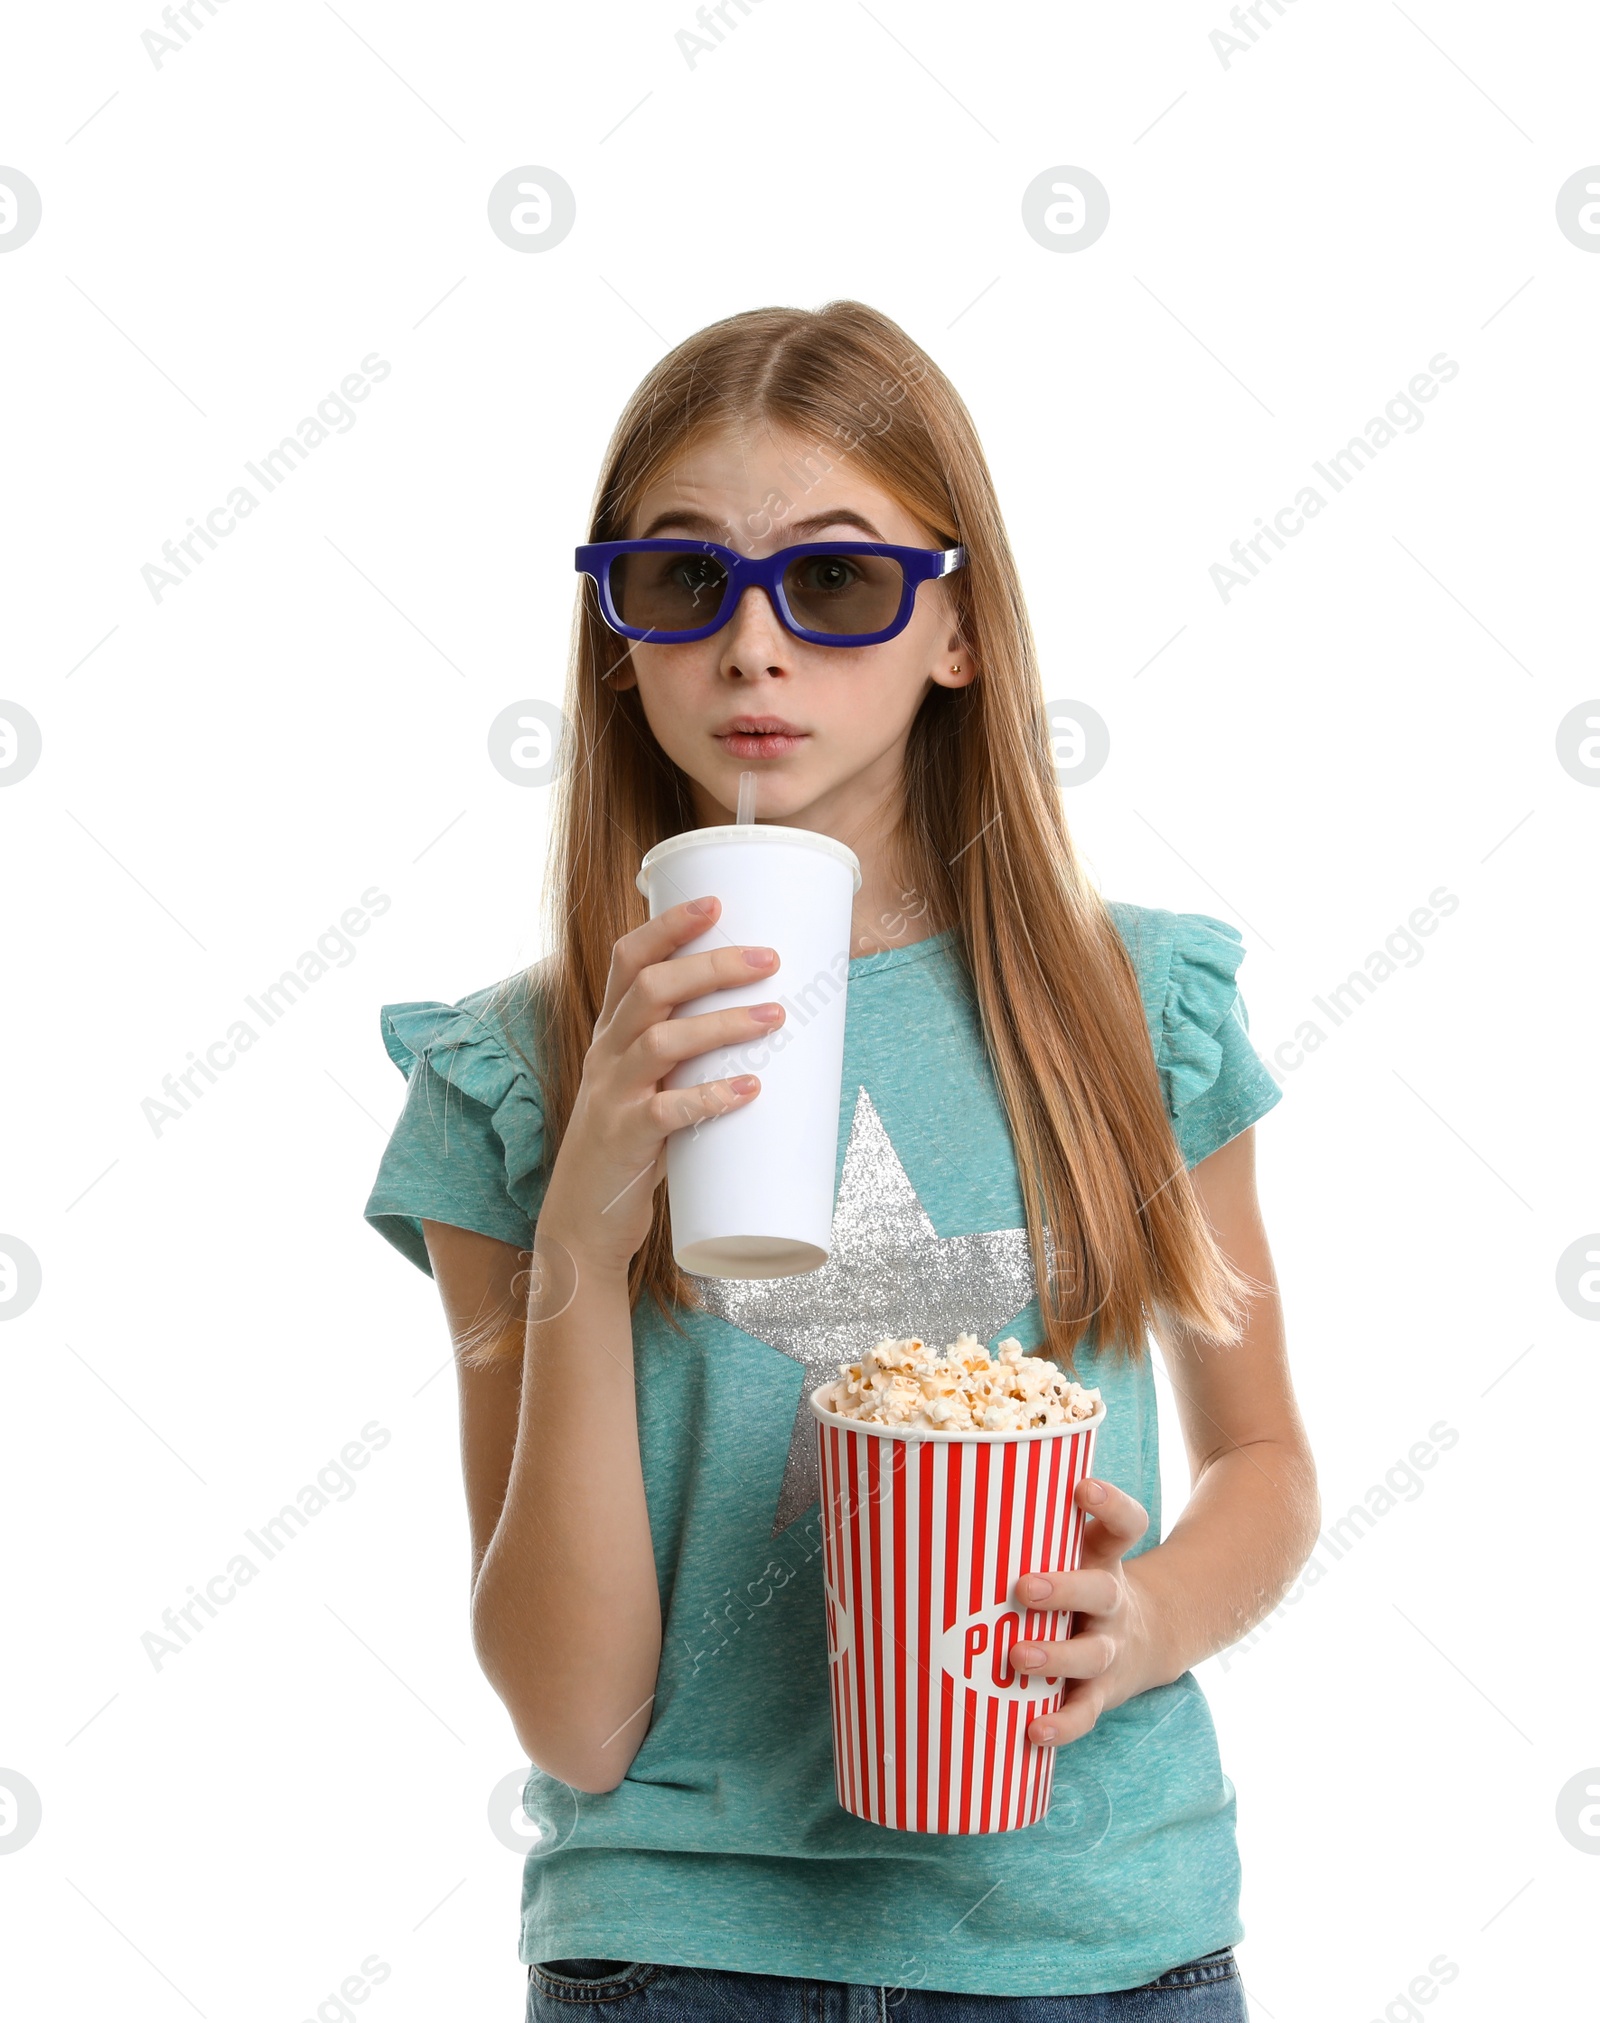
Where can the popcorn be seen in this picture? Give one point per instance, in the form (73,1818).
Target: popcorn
(958,1389)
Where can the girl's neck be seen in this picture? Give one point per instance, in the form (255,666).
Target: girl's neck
(890,911)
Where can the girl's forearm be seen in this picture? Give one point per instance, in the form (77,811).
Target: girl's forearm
(1246,1531)
(566,1612)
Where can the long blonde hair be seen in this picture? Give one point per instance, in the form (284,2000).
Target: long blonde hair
(982,836)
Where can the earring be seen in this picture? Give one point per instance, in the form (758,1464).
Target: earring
(955,670)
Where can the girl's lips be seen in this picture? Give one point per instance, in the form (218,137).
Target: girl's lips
(762,744)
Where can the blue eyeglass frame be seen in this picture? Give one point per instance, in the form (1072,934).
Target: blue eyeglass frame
(765,572)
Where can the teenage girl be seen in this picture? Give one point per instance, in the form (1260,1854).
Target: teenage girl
(1022,1056)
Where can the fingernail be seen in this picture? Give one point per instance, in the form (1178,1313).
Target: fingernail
(1047,1733)
(758,958)
(1094,1492)
(702,905)
(744,1085)
(1028,1656)
(767,1013)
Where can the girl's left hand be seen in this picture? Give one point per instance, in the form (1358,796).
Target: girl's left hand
(1108,1659)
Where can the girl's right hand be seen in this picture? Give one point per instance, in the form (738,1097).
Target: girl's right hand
(600,1201)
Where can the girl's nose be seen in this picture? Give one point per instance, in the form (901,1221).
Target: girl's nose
(754,637)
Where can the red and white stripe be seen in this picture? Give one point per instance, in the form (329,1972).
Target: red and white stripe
(923,1543)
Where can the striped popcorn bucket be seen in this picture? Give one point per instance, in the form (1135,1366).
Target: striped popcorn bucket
(925,1535)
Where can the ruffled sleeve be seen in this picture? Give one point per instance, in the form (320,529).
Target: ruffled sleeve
(469,1145)
(1215,1083)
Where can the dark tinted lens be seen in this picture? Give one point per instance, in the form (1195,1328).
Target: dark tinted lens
(844,593)
(667,589)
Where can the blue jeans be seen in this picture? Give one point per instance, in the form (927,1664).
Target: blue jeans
(622,1991)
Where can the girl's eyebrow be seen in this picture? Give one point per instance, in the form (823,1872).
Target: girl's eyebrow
(701,523)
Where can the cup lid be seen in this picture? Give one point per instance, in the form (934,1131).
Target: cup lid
(751,832)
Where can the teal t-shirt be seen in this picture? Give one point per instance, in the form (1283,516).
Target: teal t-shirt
(724,1846)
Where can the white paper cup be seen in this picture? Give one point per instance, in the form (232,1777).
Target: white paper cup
(751,1191)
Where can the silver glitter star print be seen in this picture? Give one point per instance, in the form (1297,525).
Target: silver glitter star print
(889,1272)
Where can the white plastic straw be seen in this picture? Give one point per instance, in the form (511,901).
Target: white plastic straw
(746,811)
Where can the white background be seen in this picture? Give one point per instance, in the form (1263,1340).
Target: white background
(1294,233)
